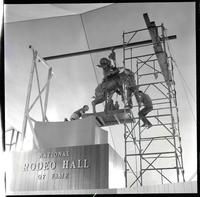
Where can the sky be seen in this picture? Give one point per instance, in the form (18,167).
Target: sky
(75,78)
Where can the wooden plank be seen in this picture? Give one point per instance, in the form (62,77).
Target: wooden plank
(112,117)
(161,55)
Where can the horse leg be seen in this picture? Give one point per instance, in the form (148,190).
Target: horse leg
(96,102)
(93,106)
(108,106)
(121,92)
(129,97)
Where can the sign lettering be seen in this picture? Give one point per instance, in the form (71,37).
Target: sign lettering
(55,165)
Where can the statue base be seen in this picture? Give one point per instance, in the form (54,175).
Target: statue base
(65,168)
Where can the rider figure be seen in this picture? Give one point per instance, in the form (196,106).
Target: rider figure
(108,70)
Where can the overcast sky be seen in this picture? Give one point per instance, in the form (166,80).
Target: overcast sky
(74,78)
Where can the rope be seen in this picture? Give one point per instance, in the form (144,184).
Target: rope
(168,43)
(94,69)
(184,82)
(189,104)
(89,49)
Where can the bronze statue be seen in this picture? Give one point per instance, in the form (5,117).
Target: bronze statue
(107,88)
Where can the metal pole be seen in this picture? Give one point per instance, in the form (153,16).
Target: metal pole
(40,97)
(11,139)
(123,50)
(161,176)
(125,157)
(125,137)
(139,43)
(178,129)
(174,132)
(17,137)
(139,132)
(47,91)
(24,125)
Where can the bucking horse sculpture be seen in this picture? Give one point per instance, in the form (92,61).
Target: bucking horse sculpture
(107,88)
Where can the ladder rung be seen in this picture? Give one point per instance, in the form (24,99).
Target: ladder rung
(150,153)
(170,168)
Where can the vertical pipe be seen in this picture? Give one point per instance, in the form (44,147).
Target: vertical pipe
(125,157)
(39,92)
(139,131)
(33,132)
(131,59)
(47,92)
(17,137)
(173,129)
(123,49)
(178,126)
(125,142)
(11,139)
(24,125)
(161,176)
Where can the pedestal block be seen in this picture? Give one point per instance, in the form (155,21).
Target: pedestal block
(65,168)
(70,133)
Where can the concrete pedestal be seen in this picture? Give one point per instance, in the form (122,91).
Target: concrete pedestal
(70,133)
(71,155)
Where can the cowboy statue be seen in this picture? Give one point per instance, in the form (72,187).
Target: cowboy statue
(114,78)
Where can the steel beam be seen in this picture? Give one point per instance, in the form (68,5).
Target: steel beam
(139,43)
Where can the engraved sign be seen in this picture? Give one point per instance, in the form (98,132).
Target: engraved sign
(75,167)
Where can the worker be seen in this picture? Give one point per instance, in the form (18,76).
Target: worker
(78,114)
(147,102)
(108,69)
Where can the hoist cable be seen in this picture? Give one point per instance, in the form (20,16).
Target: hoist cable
(94,69)
(168,43)
(184,82)
(89,49)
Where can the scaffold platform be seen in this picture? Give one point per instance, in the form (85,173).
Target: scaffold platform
(112,117)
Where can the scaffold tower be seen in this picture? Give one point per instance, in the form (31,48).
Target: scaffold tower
(153,153)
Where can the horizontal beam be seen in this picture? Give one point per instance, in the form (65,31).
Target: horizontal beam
(103,49)
(170,168)
(157,137)
(141,154)
(154,116)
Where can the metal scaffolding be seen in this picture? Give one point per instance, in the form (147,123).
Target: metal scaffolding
(156,151)
(12,138)
(38,98)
